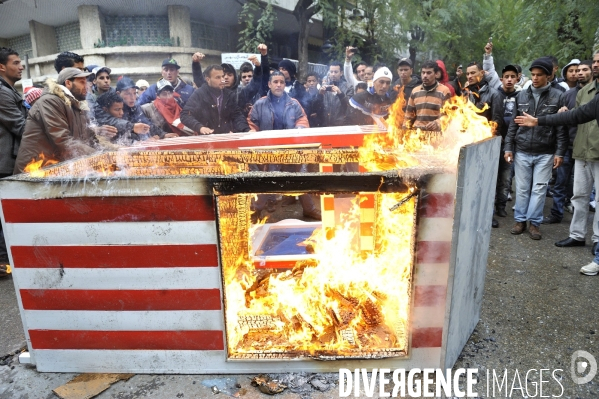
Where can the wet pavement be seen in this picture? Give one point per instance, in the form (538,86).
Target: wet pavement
(537,311)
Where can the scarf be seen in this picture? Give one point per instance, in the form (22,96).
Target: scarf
(171,112)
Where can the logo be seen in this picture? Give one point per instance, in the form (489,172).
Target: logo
(172,61)
(580,367)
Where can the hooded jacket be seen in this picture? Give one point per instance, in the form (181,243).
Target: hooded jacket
(13,115)
(397,88)
(262,115)
(445,78)
(331,108)
(202,111)
(538,139)
(56,127)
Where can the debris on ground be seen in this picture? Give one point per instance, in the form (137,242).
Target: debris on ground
(86,386)
(268,385)
(303,384)
(228,386)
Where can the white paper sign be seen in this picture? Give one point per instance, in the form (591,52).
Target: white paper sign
(236,59)
(25,83)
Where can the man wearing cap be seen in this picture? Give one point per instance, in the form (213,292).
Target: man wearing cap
(143,86)
(425,103)
(57,127)
(403,86)
(372,106)
(165,112)
(212,108)
(536,150)
(134,125)
(170,72)
(101,85)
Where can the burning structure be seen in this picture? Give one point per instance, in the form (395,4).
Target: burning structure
(150,260)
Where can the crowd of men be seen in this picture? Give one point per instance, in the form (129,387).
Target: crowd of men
(547,123)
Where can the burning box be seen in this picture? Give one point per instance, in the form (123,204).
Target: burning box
(149,262)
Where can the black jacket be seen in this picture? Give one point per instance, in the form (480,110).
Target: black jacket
(201,111)
(124,126)
(577,116)
(482,94)
(12,124)
(538,139)
(407,90)
(508,101)
(570,102)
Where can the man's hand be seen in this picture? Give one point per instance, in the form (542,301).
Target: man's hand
(526,120)
(206,130)
(489,48)
(197,57)
(336,89)
(562,109)
(263,49)
(509,158)
(141,128)
(254,60)
(349,52)
(433,126)
(106,131)
(557,161)
(322,90)
(171,135)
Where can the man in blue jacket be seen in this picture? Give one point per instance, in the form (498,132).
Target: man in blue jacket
(170,72)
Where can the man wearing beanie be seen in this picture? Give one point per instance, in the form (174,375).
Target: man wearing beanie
(372,106)
(292,87)
(535,150)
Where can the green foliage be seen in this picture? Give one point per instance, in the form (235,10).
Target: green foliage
(255,31)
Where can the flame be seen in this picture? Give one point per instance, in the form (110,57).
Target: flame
(461,124)
(343,301)
(34,167)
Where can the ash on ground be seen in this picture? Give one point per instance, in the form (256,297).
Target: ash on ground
(304,384)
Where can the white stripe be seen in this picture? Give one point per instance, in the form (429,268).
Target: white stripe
(431,274)
(435,229)
(180,320)
(442,183)
(119,279)
(208,362)
(115,187)
(428,316)
(113,233)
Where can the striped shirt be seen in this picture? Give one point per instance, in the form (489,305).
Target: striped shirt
(424,105)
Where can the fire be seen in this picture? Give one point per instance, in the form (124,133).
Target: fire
(341,302)
(461,124)
(34,168)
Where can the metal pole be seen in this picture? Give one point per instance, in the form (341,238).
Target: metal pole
(27,66)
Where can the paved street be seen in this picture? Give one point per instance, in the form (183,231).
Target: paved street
(537,310)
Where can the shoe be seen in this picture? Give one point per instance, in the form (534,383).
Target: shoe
(594,248)
(551,219)
(569,242)
(549,194)
(514,208)
(592,206)
(313,214)
(501,212)
(569,208)
(518,228)
(309,208)
(534,232)
(509,196)
(495,223)
(590,270)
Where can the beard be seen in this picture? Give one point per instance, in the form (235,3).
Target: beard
(77,93)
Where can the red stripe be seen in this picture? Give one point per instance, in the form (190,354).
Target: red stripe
(437,205)
(431,337)
(282,264)
(109,209)
(329,203)
(327,168)
(127,340)
(429,295)
(366,201)
(115,256)
(433,251)
(198,299)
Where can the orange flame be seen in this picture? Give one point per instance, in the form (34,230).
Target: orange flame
(34,168)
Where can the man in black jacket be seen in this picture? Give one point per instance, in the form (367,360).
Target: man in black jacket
(12,123)
(536,149)
(483,96)
(212,108)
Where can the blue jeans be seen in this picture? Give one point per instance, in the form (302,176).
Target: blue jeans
(533,172)
(562,189)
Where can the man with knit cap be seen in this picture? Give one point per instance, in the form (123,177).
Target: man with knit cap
(292,86)
(372,106)
(535,151)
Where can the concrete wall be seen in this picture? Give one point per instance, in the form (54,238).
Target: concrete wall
(179,25)
(90,22)
(43,39)
(3,42)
